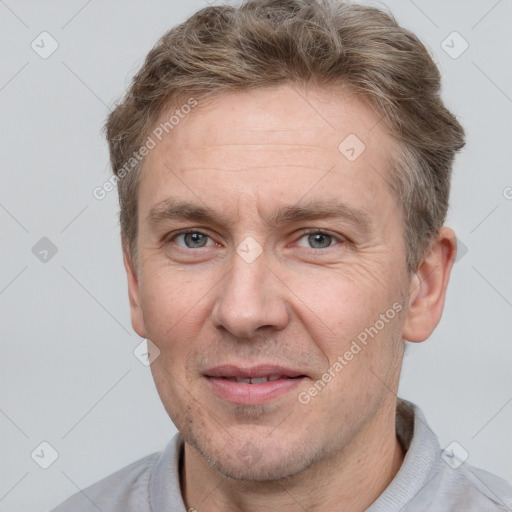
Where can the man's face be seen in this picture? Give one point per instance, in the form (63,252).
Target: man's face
(263,284)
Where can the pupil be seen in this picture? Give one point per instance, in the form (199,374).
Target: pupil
(320,238)
(196,239)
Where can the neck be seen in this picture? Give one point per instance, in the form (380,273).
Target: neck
(350,480)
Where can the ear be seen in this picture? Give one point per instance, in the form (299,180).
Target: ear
(134,295)
(428,287)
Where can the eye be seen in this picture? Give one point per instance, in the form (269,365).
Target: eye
(192,239)
(319,240)
(314,239)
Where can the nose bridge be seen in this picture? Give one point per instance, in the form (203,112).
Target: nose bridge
(249,296)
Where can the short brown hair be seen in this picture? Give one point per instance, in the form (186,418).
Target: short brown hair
(262,43)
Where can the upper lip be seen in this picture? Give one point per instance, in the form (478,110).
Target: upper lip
(245,372)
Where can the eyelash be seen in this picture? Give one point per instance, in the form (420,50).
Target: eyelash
(338,238)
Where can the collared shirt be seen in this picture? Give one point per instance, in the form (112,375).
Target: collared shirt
(430,479)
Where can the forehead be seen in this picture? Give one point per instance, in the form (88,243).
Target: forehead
(319,117)
(277,143)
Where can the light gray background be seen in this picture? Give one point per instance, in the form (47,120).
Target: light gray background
(68,375)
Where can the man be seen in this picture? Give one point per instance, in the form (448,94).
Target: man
(283,171)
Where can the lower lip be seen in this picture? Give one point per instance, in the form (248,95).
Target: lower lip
(242,393)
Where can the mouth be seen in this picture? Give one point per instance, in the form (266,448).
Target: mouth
(254,385)
(259,380)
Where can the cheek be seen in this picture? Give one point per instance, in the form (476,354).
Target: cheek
(341,301)
(174,326)
(174,312)
(343,316)
(170,298)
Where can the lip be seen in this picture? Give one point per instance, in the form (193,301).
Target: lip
(241,393)
(262,370)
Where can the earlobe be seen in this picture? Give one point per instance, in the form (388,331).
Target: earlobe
(428,287)
(134,295)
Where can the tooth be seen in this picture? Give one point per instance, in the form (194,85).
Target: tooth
(240,379)
(258,380)
(274,377)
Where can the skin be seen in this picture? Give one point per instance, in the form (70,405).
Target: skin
(300,304)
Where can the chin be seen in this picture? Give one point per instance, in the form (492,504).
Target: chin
(251,464)
(261,472)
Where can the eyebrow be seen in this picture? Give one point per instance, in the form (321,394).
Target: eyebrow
(175,209)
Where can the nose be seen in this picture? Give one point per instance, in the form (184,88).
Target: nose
(250,297)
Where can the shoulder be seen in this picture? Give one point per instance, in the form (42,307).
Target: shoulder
(126,489)
(433,479)
(456,485)
(474,486)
